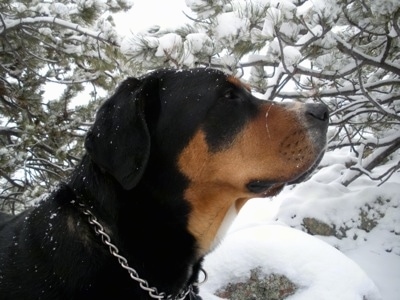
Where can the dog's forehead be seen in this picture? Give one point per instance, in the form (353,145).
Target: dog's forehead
(195,79)
(190,92)
(191,99)
(199,88)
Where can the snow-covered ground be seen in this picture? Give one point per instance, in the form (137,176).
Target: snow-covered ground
(267,234)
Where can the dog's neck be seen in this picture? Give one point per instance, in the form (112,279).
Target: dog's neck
(148,235)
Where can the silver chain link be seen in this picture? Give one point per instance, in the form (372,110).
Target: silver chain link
(144,285)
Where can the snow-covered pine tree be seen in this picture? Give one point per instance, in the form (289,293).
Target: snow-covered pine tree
(72,44)
(343,53)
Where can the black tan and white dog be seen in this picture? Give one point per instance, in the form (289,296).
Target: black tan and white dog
(170,160)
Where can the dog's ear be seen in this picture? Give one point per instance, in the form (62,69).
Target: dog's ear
(119,140)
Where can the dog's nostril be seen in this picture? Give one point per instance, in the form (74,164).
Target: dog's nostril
(317,111)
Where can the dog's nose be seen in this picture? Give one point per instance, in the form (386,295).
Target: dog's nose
(317,112)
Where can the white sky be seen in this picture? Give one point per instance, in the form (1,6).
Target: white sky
(146,13)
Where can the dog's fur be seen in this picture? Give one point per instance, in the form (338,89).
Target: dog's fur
(170,159)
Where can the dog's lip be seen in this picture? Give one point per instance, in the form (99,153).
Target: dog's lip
(274,190)
(265,189)
(259,186)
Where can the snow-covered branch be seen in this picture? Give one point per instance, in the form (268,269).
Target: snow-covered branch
(10,131)
(371,60)
(13,24)
(373,160)
(349,89)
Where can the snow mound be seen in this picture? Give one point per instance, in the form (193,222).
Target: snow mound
(318,269)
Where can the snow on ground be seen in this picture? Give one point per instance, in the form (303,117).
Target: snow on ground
(321,271)
(267,234)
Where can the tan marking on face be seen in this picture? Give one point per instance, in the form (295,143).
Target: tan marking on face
(217,180)
(236,81)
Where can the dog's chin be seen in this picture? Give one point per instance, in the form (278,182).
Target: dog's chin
(306,175)
(271,191)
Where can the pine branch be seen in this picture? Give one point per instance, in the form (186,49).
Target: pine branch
(396,18)
(98,35)
(10,131)
(10,180)
(345,90)
(370,60)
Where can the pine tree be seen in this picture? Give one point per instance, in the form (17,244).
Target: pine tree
(71,44)
(343,53)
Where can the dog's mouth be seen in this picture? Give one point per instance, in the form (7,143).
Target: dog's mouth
(265,188)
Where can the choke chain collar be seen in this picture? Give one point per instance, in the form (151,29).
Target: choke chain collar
(144,285)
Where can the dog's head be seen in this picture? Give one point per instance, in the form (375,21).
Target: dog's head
(206,127)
